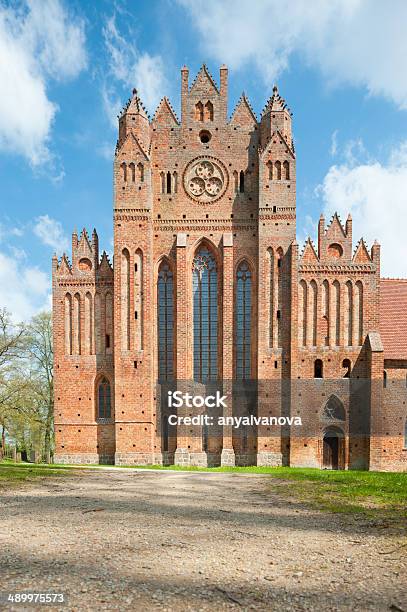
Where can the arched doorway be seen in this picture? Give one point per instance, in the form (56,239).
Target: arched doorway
(333,449)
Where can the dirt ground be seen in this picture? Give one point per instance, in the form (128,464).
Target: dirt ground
(138,540)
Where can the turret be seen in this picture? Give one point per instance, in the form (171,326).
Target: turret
(276,116)
(134,119)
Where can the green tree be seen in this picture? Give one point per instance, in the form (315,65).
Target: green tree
(12,344)
(39,349)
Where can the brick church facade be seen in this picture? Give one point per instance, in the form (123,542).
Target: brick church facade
(209,290)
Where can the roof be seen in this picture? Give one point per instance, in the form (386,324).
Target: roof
(393,317)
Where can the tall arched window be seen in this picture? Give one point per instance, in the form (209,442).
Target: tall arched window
(277,166)
(175,181)
(286,167)
(314,313)
(270,170)
(88,341)
(205,301)
(279,280)
(348,313)
(236,181)
(209,111)
(243,321)
(337,315)
(271,297)
(168,182)
(303,312)
(76,326)
(98,324)
(325,312)
(138,300)
(132,169)
(68,324)
(124,171)
(140,170)
(199,111)
(241,181)
(165,321)
(109,323)
(125,299)
(104,410)
(359,314)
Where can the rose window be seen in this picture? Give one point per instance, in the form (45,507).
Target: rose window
(205,180)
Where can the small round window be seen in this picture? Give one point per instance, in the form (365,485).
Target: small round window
(205,136)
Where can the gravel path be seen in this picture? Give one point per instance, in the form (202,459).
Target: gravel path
(137,540)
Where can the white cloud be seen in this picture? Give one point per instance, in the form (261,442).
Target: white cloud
(129,67)
(24,291)
(334,143)
(18,253)
(39,41)
(375,194)
(351,41)
(51,233)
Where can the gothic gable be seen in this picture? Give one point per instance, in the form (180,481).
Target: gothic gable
(165,116)
(243,113)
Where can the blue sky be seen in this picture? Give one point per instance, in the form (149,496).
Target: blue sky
(66,68)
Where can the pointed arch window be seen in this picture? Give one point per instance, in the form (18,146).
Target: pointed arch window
(165,321)
(205,317)
(104,410)
(88,324)
(132,169)
(125,299)
(286,167)
(208,111)
(334,409)
(270,170)
(243,321)
(241,181)
(199,111)
(236,181)
(277,166)
(303,312)
(140,171)
(68,324)
(168,182)
(123,167)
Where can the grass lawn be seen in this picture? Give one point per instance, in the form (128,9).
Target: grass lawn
(15,473)
(376,494)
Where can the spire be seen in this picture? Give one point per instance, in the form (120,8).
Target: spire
(135,106)
(134,119)
(276,102)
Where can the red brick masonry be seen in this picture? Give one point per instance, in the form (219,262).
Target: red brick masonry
(324,337)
